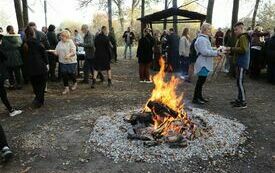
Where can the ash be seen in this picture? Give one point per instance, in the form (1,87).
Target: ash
(109,136)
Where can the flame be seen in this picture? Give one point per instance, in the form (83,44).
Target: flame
(165,93)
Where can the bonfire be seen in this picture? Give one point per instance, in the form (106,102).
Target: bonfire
(164,118)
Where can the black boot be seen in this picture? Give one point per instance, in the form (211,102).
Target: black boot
(109,82)
(93,84)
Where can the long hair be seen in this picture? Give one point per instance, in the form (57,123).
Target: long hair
(29,33)
(185,32)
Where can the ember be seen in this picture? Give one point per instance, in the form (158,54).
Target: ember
(164,118)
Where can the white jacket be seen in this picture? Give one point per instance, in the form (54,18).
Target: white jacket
(184,47)
(205,52)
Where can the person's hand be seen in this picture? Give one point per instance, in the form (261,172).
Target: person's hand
(48,67)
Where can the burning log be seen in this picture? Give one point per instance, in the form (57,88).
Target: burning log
(161,109)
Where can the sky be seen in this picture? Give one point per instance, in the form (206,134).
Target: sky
(61,10)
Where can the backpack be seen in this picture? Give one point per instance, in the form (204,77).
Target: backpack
(193,55)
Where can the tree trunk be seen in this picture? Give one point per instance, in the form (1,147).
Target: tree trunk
(110,14)
(142,15)
(121,19)
(132,13)
(175,18)
(255,13)
(210,8)
(235,13)
(165,20)
(18,11)
(25,12)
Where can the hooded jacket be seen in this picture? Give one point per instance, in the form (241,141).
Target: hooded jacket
(241,51)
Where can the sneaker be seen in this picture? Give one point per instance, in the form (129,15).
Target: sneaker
(15,112)
(6,154)
(93,84)
(74,87)
(235,102)
(66,91)
(242,105)
(148,81)
(141,81)
(198,102)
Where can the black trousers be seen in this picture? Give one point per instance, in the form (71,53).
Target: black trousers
(198,89)
(3,95)
(39,84)
(88,68)
(255,63)
(3,140)
(52,66)
(240,78)
(66,77)
(14,72)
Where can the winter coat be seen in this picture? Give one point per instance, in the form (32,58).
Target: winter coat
(11,48)
(145,50)
(52,39)
(173,51)
(270,50)
(36,61)
(89,45)
(102,52)
(241,51)
(3,69)
(205,52)
(132,37)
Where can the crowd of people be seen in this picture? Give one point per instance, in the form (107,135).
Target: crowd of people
(45,55)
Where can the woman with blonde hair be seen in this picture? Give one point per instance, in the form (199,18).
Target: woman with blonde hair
(184,50)
(66,52)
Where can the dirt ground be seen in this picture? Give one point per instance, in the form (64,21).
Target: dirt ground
(55,137)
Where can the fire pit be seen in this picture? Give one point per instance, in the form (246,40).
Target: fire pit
(164,130)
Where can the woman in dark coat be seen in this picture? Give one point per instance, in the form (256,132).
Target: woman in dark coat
(11,48)
(3,77)
(145,55)
(36,63)
(102,55)
(113,41)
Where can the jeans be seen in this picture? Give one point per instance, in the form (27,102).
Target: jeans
(125,50)
(144,71)
(198,89)
(240,78)
(3,95)
(39,84)
(3,140)
(14,71)
(184,61)
(88,68)
(67,77)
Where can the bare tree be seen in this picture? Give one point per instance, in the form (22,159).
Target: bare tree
(210,8)
(135,4)
(165,20)
(110,14)
(235,12)
(175,18)
(18,11)
(25,12)
(255,13)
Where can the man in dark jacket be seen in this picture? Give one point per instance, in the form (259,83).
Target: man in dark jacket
(40,36)
(52,38)
(270,54)
(241,52)
(89,48)
(145,55)
(129,37)
(173,50)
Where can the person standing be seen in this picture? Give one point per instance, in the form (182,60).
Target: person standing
(204,62)
(219,38)
(184,50)
(145,56)
(157,51)
(66,52)
(129,38)
(11,48)
(40,36)
(270,54)
(112,38)
(52,38)
(227,43)
(89,49)
(173,50)
(36,63)
(242,53)
(3,77)
(102,55)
